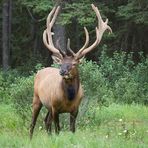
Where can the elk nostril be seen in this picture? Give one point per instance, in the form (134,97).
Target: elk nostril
(62,72)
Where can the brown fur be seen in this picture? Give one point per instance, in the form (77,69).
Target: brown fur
(50,91)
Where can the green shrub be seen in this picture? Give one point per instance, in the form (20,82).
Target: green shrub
(114,79)
(6,79)
(94,83)
(21,94)
(115,67)
(16,90)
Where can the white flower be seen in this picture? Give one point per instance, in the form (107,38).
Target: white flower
(125,131)
(120,120)
(119,134)
(40,128)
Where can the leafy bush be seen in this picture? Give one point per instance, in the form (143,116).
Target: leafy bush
(133,86)
(16,90)
(115,67)
(114,79)
(21,93)
(94,83)
(6,79)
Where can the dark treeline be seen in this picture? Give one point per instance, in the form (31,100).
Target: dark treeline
(23,22)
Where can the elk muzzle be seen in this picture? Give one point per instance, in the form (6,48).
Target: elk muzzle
(65,71)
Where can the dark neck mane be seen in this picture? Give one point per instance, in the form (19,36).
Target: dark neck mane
(71,87)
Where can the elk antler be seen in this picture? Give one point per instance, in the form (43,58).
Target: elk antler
(84,46)
(47,34)
(100,29)
(69,49)
(102,26)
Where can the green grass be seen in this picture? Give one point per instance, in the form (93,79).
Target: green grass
(116,126)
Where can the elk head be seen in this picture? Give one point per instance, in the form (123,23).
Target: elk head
(69,61)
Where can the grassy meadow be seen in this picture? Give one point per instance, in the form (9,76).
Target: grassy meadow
(113,126)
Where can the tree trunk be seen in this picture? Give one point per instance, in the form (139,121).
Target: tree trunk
(59,37)
(59,30)
(34,36)
(77,36)
(34,32)
(6,32)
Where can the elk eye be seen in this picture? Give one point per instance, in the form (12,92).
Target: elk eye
(74,64)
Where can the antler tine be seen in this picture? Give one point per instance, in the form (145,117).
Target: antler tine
(47,34)
(55,15)
(51,48)
(69,49)
(86,41)
(100,21)
(102,26)
(86,50)
(48,25)
(48,20)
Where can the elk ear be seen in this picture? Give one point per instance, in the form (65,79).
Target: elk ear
(56,59)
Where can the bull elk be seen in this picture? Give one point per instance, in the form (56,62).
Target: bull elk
(60,90)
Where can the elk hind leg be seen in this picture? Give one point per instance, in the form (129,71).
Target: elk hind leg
(37,105)
(48,121)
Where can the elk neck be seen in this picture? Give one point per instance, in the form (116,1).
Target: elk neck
(71,86)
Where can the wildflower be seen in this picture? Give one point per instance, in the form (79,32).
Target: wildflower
(40,128)
(119,134)
(125,131)
(120,120)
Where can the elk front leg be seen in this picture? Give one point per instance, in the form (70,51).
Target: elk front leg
(73,116)
(37,105)
(56,121)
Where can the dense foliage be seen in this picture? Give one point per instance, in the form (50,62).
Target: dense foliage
(128,19)
(112,80)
